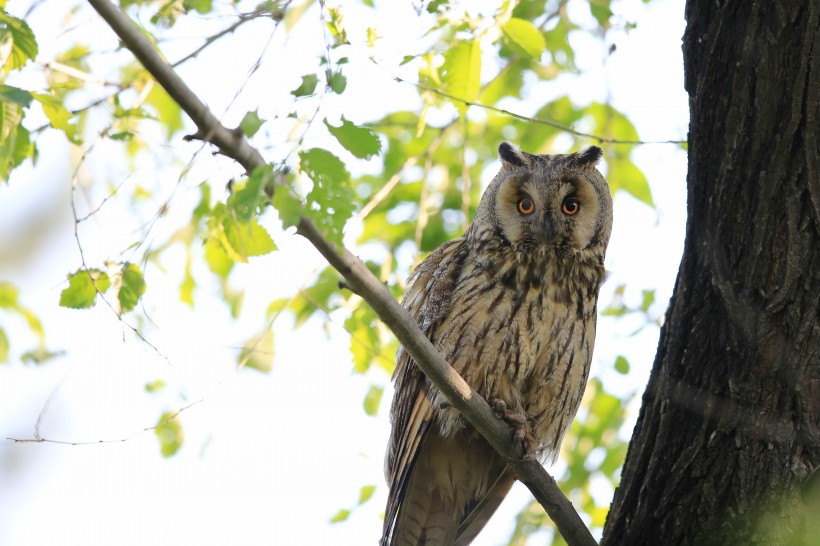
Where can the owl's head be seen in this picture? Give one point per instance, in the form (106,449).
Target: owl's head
(558,203)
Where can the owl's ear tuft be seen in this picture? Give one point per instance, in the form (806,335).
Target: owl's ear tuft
(512,157)
(587,159)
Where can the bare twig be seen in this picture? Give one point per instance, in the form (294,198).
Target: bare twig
(530,119)
(39,440)
(364,283)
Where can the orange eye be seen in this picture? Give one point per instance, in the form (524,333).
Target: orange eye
(570,206)
(526,206)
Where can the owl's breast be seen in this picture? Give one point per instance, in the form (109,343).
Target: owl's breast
(529,344)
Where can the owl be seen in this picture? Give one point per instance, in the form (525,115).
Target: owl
(511,305)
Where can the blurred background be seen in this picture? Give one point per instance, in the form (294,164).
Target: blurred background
(244,398)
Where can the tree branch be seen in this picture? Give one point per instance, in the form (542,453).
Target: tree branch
(363,282)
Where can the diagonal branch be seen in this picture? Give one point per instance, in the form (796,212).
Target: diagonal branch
(363,282)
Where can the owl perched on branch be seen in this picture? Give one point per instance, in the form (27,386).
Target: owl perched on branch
(511,305)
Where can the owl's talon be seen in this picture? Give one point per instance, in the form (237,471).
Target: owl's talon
(518,421)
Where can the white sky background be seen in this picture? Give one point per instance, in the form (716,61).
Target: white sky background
(268,459)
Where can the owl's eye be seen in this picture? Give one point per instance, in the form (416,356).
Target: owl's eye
(526,206)
(570,206)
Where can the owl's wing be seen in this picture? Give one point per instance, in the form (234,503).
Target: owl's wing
(479,513)
(411,412)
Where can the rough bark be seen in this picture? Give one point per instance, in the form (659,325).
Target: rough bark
(730,423)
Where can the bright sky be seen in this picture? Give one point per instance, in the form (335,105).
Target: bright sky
(268,459)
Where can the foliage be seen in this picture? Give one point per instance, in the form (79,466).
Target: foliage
(407,179)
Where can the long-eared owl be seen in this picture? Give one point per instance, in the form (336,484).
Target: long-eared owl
(511,305)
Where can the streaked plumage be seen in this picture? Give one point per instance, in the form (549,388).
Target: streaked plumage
(512,305)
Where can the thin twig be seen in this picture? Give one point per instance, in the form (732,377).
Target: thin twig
(475,409)
(39,440)
(530,119)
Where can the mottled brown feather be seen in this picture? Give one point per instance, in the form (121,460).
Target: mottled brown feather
(512,306)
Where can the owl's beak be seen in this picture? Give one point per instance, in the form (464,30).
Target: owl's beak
(548,230)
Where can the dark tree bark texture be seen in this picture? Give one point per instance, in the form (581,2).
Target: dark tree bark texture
(729,430)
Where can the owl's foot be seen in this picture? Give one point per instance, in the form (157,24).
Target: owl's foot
(518,421)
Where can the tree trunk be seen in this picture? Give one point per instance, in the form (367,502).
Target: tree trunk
(729,429)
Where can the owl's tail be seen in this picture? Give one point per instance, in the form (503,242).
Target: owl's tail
(425,520)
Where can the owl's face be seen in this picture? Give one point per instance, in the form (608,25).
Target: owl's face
(549,203)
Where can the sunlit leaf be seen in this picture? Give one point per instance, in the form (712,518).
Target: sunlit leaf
(360,141)
(186,288)
(58,115)
(524,35)
(245,240)
(337,30)
(331,201)
(461,73)
(168,111)
(17,42)
(170,434)
(648,298)
(340,516)
(15,141)
(218,261)
(372,400)
(257,353)
(365,493)
(4,346)
(289,206)
(308,86)
(132,287)
(251,123)
(81,292)
(8,295)
(246,197)
(15,95)
(337,82)
(155,386)
(622,365)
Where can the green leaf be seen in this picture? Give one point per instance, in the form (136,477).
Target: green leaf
(337,82)
(15,141)
(8,295)
(81,293)
(365,493)
(15,95)
(154,386)
(622,365)
(201,6)
(168,111)
(648,299)
(308,87)
(251,123)
(372,400)
(461,73)
(17,35)
(246,240)
(334,25)
(39,355)
(632,180)
(524,35)
(186,288)
(601,11)
(170,434)
(289,206)
(331,201)
(58,115)
(4,346)
(340,516)
(239,240)
(132,287)
(245,200)
(360,141)
(257,353)
(218,261)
